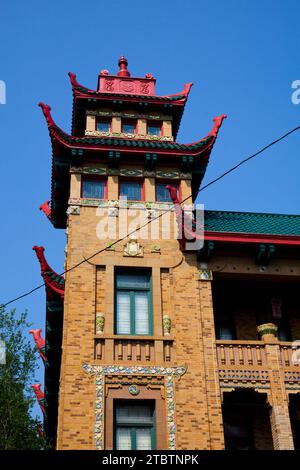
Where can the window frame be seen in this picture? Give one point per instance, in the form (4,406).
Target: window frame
(132,302)
(134,426)
(133,180)
(170,182)
(94,178)
(158,124)
(104,119)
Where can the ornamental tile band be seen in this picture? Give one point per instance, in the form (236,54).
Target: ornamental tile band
(227,375)
(88,170)
(170,374)
(292,376)
(130,172)
(167,174)
(124,135)
(163,206)
(73,210)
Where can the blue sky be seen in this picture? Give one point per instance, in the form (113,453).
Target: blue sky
(242,57)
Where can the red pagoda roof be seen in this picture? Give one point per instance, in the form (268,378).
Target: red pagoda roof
(123,90)
(85,92)
(130,145)
(67,149)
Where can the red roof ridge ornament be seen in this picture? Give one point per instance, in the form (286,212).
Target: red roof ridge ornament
(73,80)
(185,91)
(123,72)
(76,86)
(39,342)
(55,283)
(39,396)
(217,124)
(47,113)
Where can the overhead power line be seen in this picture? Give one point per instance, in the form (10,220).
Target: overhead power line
(215,180)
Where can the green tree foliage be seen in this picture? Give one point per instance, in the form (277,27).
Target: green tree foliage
(18,429)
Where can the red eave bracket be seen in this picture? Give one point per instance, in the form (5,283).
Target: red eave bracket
(39,394)
(54,282)
(39,342)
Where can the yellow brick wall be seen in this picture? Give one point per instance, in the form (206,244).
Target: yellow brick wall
(178,292)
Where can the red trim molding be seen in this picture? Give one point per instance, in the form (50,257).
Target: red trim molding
(232,237)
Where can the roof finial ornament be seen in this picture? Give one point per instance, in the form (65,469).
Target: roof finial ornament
(123,72)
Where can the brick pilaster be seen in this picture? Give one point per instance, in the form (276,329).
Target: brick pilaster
(279,412)
(214,405)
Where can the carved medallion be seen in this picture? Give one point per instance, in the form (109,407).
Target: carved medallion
(133,390)
(127,86)
(133,248)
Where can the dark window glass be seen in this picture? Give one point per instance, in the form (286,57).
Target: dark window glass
(128,127)
(131,189)
(154,128)
(134,427)
(162,193)
(224,324)
(103,125)
(93,188)
(133,303)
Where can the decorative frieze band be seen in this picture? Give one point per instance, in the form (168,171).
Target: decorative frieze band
(131,172)
(100,372)
(292,376)
(119,204)
(88,170)
(124,135)
(245,375)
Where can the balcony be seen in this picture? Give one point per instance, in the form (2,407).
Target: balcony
(246,362)
(134,349)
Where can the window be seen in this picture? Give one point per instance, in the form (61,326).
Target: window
(131,189)
(93,188)
(129,127)
(133,304)
(224,323)
(103,125)
(162,193)
(134,426)
(154,128)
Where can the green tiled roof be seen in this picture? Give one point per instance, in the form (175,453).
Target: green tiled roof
(251,222)
(150,144)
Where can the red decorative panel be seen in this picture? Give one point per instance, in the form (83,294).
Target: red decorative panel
(135,86)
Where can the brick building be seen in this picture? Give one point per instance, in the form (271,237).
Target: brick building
(150,344)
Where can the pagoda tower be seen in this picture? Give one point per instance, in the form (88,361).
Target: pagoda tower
(132,315)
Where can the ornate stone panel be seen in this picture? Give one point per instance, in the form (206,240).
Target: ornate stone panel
(101,372)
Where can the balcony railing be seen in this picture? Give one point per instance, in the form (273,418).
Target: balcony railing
(241,353)
(246,361)
(290,355)
(137,349)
